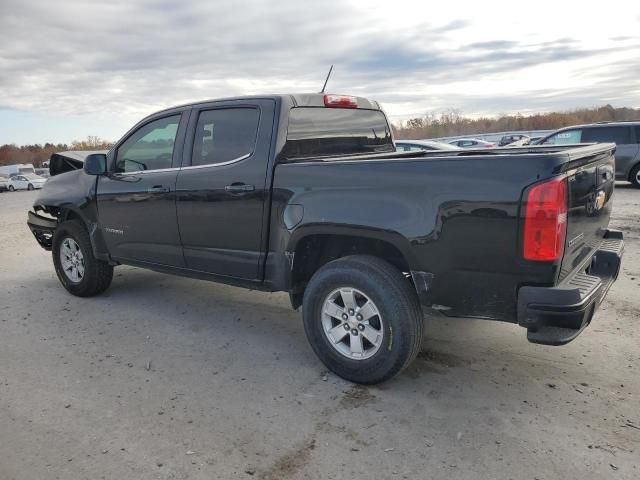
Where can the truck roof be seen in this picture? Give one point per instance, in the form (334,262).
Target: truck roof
(295,100)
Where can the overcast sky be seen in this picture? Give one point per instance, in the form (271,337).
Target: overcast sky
(76,68)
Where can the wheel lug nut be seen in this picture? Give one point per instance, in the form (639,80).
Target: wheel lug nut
(361,327)
(351,311)
(345,316)
(359,317)
(354,332)
(346,326)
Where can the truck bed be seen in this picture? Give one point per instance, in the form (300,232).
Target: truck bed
(456,216)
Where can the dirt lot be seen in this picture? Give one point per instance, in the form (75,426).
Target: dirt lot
(169,378)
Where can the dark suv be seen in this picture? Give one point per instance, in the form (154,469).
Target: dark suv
(626,136)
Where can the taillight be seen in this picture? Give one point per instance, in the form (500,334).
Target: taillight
(545,221)
(340,101)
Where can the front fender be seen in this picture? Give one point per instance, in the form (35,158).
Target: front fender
(73,195)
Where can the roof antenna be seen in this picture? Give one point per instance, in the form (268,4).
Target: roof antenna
(326,80)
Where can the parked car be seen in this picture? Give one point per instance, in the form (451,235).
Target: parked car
(471,143)
(306,194)
(27,181)
(626,136)
(4,183)
(508,139)
(43,172)
(420,145)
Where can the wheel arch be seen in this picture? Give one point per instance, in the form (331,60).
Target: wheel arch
(70,212)
(311,248)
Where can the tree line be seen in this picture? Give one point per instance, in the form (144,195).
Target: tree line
(453,123)
(36,154)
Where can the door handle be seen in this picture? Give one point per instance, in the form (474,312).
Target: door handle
(239,188)
(158,189)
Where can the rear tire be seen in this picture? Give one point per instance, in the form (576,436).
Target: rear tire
(12,188)
(396,327)
(78,270)
(634,176)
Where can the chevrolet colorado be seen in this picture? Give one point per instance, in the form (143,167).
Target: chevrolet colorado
(306,194)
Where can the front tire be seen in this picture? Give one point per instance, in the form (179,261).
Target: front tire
(12,188)
(634,176)
(30,187)
(362,318)
(78,270)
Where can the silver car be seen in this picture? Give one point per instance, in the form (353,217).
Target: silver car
(472,143)
(420,145)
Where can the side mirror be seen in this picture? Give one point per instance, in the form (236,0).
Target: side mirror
(95,164)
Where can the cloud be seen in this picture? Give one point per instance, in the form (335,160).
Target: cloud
(129,58)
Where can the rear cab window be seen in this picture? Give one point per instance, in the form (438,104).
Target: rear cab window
(324,132)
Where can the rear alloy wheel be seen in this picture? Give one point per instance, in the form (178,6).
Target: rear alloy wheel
(12,188)
(362,318)
(78,270)
(634,177)
(352,323)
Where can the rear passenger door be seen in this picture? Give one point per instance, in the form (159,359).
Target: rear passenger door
(221,188)
(626,147)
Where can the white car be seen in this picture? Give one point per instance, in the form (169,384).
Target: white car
(25,181)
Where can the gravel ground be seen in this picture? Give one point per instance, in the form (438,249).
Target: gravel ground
(170,378)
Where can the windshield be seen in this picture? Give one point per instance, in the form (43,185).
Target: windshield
(32,176)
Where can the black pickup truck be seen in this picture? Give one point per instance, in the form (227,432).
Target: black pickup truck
(306,194)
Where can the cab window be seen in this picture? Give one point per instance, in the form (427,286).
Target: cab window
(224,135)
(150,147)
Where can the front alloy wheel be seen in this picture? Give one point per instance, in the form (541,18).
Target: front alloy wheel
(72,260)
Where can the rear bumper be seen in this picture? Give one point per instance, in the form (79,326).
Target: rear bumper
(42,228)
(557,315)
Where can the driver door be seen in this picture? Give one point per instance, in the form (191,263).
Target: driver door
(136,199)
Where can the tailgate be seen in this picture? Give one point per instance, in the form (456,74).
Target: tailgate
(590,191)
